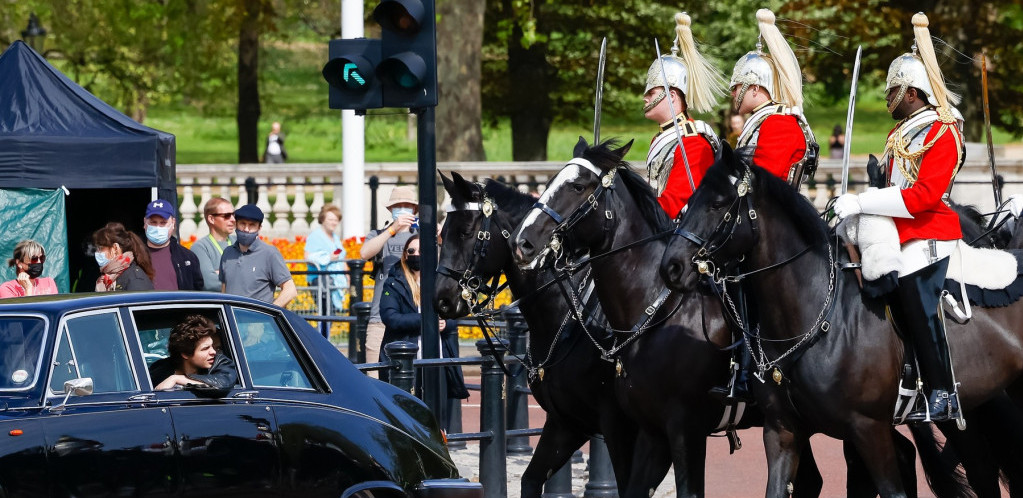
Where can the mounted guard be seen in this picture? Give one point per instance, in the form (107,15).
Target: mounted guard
(922,155)
(769,87)
(693,82)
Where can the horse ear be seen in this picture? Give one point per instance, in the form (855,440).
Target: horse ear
(623,150)
(580,147)
(463,188)
(448,185)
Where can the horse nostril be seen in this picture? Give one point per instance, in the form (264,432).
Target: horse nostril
(526,248)
(443,305)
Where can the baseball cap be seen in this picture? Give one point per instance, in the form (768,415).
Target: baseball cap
(249,212)
(402,193)
(160,207)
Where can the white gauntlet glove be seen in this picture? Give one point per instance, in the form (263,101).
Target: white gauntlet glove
(847,205)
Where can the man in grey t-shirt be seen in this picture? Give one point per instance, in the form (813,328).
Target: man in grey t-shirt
(388,243)
(219,216)
(253,268)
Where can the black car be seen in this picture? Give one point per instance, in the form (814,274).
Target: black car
(79,415)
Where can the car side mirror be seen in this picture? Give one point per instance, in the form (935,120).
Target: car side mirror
(79,387)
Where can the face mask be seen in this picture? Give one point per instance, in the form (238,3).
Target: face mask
(34,270)
(157,235)
(245,238)
(399,211)
(101,259)
(413,262)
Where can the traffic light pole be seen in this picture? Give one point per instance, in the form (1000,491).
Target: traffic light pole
(434,386)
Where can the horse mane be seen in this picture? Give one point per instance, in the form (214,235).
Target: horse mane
(507,197)
(806,218)
(646,201)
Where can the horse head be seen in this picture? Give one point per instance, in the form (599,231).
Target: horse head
(474,242)
(572,213)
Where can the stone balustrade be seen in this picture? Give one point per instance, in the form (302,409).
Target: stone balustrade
(291,195)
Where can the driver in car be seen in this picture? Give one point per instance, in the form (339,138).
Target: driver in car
(193,346)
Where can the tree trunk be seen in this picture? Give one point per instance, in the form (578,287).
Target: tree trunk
(532,81)
(460,107)
(248,84)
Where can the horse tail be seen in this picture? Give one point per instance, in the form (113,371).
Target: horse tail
(1001,423)
(945,477)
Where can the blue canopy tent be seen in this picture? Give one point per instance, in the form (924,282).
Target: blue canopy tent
(54,133)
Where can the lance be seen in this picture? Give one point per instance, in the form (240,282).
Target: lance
(987,128)
(671,105)
(847,148)
(598,96)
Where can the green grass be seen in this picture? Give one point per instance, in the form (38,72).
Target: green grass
(295,94)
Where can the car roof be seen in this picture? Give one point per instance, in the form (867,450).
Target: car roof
(58,304)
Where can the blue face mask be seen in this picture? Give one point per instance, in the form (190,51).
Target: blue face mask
(245,238)
(101,259)
(399,211)
(157,235)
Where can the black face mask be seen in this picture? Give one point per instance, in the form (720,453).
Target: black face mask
(34,270)
(413,262)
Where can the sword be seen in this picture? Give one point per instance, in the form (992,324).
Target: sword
(847,148)
(598,96)
(987,128)
(678,131)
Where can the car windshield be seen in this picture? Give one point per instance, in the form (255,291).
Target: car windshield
(21,343)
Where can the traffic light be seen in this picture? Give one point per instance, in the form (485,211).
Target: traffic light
(408,67)
(351,74)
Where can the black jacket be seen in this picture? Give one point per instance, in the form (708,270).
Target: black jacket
(186,266)
(221,377)
(133,278)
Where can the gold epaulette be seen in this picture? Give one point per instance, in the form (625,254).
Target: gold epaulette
(945,115)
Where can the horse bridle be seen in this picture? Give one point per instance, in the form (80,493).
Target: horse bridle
(468,279)
(607,185)
(725,230)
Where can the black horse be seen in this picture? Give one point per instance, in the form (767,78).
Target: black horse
(828,357)
(568,378)
(598,204)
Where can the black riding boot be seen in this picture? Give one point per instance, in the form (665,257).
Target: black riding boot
(918,297)
(737,389)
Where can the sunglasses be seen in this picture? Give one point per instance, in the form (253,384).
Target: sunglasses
(224,216)
(37,259)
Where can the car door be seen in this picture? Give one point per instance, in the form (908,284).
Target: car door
(227,446)
(113,441)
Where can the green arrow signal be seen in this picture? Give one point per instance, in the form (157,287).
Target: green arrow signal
(352,70)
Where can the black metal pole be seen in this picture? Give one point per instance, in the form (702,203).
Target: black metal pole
(357,334)
(493,450)
(518,391)
(374,184)
(560,484)
(355,272)
(251,190)
(404,375)
(602,475)
(434,388)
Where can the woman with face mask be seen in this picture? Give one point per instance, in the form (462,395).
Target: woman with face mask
(123,260)
(28,261)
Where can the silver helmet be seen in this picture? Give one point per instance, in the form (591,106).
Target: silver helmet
(907,70)
(754,68)
(674,67)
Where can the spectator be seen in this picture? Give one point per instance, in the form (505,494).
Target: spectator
(735,129)
(275,153)
(400,312)
(28,261)
(385,248)
(192,348)
(323,247)
(174,266)
(123,260)
(219,216)
(253,268)
(836,144)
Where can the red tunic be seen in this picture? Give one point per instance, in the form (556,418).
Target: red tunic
(677,192)
(932,218)
(780,144)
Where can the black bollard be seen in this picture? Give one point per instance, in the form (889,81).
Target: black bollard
(356,268)
(602,475)
(493,456)
(251,190)
(357,333)
(518,391)
(374,185)
(455,422)
(404,375)
(560,484)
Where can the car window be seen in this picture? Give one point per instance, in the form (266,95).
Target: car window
(21,347)
(154,326)
(271,360)
(93,346)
